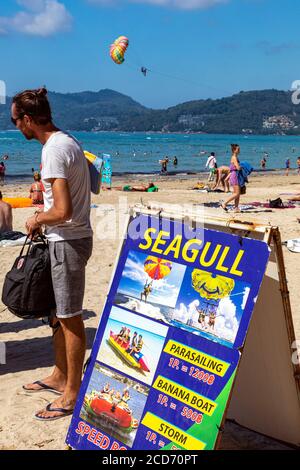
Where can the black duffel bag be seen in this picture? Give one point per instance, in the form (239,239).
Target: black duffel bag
(28,290)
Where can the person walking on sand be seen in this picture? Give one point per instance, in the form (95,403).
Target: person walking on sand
(66,218)
(233,179)
(6,218)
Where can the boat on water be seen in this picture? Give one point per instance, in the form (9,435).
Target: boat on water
(137,360)
(119,415)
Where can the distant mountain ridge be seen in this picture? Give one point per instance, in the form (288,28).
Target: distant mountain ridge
(257,112)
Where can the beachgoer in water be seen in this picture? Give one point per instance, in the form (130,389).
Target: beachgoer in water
(37,189)
(263,163)
(147,291)
(287,166)
(298,165)
(233,179)
(6,218)
(2,173)
(164,165)
(175,161)
(66,178)
(222,178)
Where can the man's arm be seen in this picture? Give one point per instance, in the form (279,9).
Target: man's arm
(60,212)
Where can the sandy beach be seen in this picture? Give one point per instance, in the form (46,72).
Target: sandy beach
(28,343)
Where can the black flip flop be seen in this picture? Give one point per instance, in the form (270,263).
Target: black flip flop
(44,388)
(63,412)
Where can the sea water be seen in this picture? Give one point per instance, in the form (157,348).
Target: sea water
(139,153)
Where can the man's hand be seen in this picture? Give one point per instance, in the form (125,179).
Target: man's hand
(32,226)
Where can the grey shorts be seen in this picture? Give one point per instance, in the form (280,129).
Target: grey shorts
(68,262)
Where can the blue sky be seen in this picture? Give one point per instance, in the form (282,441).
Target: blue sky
(195,48)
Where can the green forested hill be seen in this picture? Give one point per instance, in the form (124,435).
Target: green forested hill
(266,111)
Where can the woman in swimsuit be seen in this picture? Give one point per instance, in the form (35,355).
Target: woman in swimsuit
(233,179)
(37,189)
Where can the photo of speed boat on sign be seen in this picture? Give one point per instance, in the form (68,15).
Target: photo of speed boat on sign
(114,403)
(132,344)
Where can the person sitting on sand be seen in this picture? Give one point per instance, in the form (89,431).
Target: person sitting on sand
(222,174)
(233,179)
(37,189)
(6,218)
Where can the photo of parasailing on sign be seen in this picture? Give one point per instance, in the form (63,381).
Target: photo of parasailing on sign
(156,268)
(212,304)
(150,285)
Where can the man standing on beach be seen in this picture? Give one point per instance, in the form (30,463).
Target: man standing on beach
(211,164)
(66,218)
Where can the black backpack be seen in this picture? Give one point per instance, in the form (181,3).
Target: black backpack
(27,290)
(276,203)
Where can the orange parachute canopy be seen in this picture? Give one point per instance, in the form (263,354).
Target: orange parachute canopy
(157,268)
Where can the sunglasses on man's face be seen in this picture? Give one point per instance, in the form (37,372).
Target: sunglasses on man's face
(15,120)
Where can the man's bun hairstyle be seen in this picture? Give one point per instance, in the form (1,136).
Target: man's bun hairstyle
(34,103)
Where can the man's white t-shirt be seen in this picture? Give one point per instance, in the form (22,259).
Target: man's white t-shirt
(63,157)
(211,161)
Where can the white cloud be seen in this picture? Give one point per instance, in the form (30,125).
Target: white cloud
(245,297)
(42,18)
(182,4)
